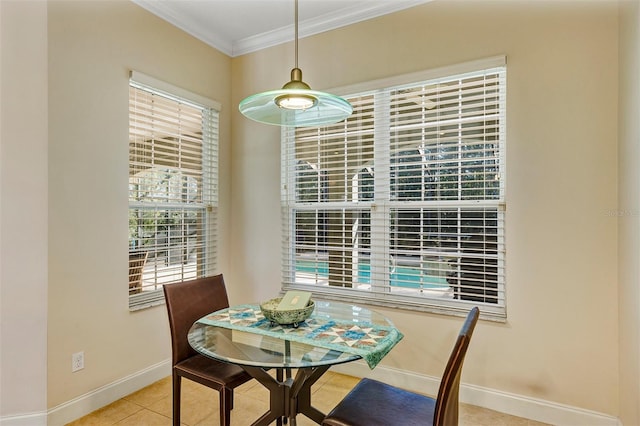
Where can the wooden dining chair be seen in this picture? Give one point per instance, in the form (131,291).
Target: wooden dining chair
(373,403)
(187,302)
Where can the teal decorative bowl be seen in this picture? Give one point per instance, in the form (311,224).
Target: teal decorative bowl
(292,316)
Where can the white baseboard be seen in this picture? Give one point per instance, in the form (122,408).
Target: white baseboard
(98,398)
(504,402)
(516,405)
(31,419)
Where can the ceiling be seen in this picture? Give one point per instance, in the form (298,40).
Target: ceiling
(236,27)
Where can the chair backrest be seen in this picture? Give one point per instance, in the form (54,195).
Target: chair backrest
(187,302)
(446,410)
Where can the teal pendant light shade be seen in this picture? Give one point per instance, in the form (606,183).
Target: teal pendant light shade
(295,105)
(325,108)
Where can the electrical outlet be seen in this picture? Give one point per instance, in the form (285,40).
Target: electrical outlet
(77,361)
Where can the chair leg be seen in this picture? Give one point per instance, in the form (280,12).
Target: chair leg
(226,402)
(176,381)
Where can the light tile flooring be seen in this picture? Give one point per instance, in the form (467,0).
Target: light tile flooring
(151,406)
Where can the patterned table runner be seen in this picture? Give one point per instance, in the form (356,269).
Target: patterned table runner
(371,341)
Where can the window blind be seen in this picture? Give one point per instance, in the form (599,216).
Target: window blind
(172,191)
(402,203)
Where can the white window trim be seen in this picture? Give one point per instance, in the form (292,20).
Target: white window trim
(430,74)
(143,81)
(444,306)
(171,91)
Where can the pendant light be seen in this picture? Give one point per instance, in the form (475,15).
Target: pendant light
(295,105)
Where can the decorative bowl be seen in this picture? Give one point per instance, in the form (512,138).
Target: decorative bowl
(291,316)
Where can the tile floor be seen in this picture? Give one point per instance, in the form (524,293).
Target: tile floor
(151,406)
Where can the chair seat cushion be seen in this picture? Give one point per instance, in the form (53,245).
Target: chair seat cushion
(211,372)
(373,403)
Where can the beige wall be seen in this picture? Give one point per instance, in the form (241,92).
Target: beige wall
(92,47)
(23,208)
(561,339)
(629,226)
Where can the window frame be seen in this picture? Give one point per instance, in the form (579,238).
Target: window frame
(491,311)
(205,210)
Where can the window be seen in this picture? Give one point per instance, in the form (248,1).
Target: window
(172,188)
(402,204)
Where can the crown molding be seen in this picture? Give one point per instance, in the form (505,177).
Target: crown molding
(165,11)
(329,21)
(339,18)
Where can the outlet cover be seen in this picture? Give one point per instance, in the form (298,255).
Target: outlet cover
(77,361)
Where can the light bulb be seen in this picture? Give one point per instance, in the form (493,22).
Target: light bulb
(297,101)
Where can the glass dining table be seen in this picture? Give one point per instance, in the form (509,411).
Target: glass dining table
(335,333)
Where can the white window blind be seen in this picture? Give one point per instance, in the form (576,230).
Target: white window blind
(402,204)
(172,191)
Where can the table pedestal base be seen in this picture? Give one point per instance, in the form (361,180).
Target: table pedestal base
(288,397)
